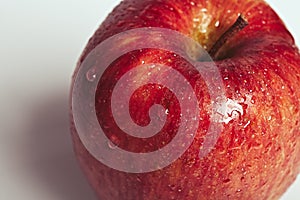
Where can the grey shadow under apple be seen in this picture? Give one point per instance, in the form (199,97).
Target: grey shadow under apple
(52,163)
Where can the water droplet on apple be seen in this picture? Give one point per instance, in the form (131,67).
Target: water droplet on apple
(239,190)
(167,111)
(130,8)
(172,187)
(121,23)
(247,124)
(278,149)
(203,30)
(171,8)
(91,74)
(139,179)
(151,17)
(269,118)
(258,146)
(226,180)
(229,110)
(243,179)
(253,100)
(113,143)
(203,10)
(217,24)
(196,20)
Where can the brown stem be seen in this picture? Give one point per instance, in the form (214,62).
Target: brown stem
(239,25)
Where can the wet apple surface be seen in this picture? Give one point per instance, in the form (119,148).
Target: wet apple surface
(256,154)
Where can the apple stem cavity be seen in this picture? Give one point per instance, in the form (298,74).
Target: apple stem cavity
(239,25)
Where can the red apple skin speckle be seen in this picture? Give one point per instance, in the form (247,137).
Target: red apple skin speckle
(257,153)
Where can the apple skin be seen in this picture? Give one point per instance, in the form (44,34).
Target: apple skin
(257,153)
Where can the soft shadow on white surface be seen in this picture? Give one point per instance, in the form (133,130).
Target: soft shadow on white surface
(48,148)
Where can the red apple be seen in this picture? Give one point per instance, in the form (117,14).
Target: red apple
(239,111)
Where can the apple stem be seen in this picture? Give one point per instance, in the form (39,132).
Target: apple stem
(239,25)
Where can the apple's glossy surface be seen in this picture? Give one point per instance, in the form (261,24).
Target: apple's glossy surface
(256,154)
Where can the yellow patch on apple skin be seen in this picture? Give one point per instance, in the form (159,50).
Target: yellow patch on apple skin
(201,24)
(207,27)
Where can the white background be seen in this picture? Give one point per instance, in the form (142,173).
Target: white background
(40,42)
